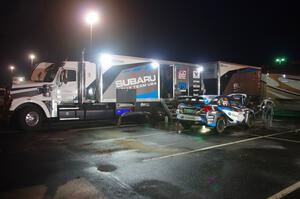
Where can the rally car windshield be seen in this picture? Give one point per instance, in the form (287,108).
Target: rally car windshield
(192,100)
(225,101)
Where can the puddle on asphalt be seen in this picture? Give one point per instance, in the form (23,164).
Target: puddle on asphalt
(106,151)
(160,189)
(133,130)
(106,168)
(141,147)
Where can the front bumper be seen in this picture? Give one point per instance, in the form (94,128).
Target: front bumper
(195,118)
(207,120)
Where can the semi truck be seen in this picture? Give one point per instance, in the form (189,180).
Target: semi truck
(72,91)
(83,90)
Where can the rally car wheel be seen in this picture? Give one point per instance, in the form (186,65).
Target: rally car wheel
(221,124)
(250,121)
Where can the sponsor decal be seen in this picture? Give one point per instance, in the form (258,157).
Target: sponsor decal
(182,74)
(182,85)
(196,74)
(135,83)
(142,78)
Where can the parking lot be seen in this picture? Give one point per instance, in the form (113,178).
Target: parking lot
(139,161)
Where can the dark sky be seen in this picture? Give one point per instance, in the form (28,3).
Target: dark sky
(250,32)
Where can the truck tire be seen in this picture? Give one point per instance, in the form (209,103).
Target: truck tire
(220,125)
(250,121)
(30,118)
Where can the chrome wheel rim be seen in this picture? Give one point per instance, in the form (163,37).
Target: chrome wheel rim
(32,118)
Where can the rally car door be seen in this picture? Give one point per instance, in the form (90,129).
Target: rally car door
(236,115)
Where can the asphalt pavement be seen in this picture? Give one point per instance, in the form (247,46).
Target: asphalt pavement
(142,161)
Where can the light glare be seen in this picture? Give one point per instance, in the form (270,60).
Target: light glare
(32,56)
(91,18)
(155,64)
(90,91)
(204,130)
(200,69)
(105,60)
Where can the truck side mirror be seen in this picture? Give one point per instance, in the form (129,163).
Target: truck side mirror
(63,77)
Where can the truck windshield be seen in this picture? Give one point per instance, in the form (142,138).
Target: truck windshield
(45,74)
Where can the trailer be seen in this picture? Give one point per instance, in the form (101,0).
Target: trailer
(284,90)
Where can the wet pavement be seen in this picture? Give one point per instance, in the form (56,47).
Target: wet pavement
(147,162)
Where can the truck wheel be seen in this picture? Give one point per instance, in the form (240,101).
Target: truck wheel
(30,118)
(250,121)
(220,125)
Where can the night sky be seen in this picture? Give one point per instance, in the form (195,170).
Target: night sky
(249,32)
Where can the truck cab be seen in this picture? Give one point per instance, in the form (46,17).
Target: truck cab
(58,91)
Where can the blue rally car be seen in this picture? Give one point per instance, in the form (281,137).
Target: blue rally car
(220,112)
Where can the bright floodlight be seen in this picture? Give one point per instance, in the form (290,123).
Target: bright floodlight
(105,60)
(200,69)
(91,91)
(20,79)
(92,17)
(11,68)
(32,56)
(155,64)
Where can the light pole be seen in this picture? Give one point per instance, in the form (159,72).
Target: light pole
(32,57)
(91,18)
(200,70)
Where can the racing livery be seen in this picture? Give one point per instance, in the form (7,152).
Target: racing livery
(220,112)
